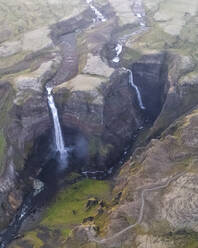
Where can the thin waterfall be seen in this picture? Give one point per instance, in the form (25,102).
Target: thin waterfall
(118,50)
(99,15)
(59,142)
(131,81)
(140,13)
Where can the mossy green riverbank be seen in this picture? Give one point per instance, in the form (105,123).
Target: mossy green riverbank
(67,210)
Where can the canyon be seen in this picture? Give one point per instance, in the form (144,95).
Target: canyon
(98,127)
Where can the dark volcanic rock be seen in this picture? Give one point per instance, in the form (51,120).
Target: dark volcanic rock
(69,63)
(151,76)
(181,95)
(105,116)
(28,122)
(72,25)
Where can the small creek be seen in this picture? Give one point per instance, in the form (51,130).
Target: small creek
(139,12)
(45,184)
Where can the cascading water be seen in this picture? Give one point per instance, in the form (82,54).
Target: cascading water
(131,81)
(139,12)
(118,50)
(59,142)
(99,15)
(41,190)
(116,59)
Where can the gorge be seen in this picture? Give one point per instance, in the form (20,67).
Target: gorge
(98,107)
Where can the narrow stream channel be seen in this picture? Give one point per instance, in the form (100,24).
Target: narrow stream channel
(47,179)
(140,13)
(45,184)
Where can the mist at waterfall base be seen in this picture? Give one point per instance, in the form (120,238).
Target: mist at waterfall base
(50,165)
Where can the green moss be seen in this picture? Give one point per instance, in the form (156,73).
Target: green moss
(69,208)
(129,56)
(155,39)
(33,238)
(72,176)
(65,232)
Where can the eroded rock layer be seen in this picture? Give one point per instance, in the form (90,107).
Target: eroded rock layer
(64,45)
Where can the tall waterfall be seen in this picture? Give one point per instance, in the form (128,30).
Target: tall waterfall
(131,81)
(59,142)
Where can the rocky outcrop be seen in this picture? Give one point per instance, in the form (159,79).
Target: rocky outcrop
(151,76)
(26,66)
(182,92)
(102,111)
(106,112)
(170,204)
(99,112)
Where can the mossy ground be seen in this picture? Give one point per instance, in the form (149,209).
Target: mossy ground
(67,210)
(35,14)
(74,199)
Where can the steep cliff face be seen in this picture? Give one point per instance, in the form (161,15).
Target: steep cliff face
(68,48)
(181,96)
(103,112)
(151,207)
(154,196)
(106,111)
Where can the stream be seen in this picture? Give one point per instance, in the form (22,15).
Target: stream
(138,10)
(45,185)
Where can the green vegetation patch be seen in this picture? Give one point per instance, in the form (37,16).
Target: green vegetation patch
(130,56)
(69,207)
(155,39)
(32,237)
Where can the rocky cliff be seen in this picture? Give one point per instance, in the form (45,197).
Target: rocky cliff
(152,202)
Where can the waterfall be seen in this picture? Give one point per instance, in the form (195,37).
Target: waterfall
(118,50)
(59,142)
(131,81)
(99,15)
(138,10)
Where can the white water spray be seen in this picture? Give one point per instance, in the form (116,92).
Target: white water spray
(138,10)
(131,81)
(59,142)
(99,15)
(118,50)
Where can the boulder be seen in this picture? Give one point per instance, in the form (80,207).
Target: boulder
(91,203)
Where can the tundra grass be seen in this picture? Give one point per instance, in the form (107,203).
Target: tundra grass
(69,207)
